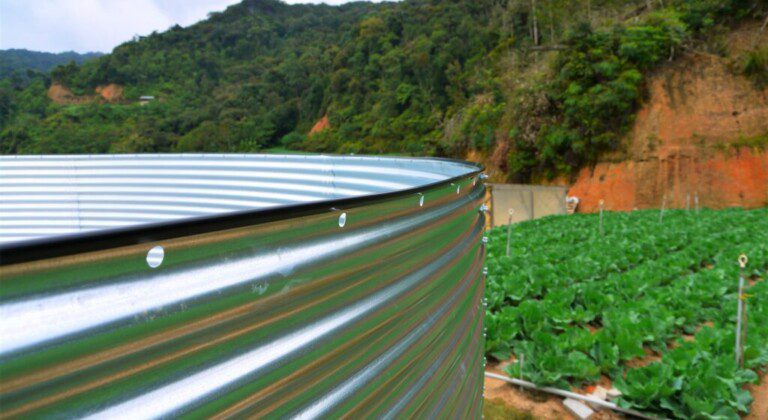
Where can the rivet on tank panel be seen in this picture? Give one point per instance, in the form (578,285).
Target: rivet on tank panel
(155,256)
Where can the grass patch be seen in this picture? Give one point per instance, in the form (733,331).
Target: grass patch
(759,142)
(495,409)
(283,151)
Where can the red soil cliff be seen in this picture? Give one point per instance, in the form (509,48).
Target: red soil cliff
(685,142)
(322,125)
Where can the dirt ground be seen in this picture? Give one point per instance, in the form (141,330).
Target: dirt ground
(62,95)
(506,401)
(759,409)
(526,404)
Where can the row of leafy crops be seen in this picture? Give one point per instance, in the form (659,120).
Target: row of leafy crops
(649,304)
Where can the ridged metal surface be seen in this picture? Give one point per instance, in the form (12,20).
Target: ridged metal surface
(53,195)
(367,306)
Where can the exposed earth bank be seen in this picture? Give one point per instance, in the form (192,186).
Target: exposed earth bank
(62,95)
(703,132)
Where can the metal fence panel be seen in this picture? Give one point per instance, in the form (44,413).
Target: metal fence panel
(365,306)
(528,202)
(550,200)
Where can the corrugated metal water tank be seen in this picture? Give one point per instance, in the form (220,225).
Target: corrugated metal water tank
(144,286)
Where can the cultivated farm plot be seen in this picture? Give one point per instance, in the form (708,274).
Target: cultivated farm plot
(648,305)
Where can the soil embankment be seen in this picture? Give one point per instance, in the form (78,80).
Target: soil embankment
(701,133)
(321,125)
(62,95)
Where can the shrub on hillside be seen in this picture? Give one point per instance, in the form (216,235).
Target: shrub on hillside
(756,66)
(596,88)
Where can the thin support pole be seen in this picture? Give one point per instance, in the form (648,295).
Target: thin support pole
(740,310)
(532,209)
(602,207)
(744,327)
(663,207)
(509,228)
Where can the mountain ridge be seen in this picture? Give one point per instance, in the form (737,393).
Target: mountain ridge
(22,59)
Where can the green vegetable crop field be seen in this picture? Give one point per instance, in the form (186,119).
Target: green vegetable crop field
(650,305)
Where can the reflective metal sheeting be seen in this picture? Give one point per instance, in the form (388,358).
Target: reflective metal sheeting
(240,286)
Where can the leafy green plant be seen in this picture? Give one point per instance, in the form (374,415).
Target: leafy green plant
(578,304)
(648,384)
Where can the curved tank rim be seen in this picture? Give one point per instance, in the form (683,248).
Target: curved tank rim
(89,241)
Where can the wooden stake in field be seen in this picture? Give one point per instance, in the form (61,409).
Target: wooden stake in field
(509,228)
(741,312)
(602,206)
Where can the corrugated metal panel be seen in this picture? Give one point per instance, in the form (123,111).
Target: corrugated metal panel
(368,305)
(54,195)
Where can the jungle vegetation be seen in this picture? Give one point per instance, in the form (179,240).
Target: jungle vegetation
(20,61)
(557,80)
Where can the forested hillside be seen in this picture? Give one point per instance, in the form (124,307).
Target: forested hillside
(545,85)
(19,61)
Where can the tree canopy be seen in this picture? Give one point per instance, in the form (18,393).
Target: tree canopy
(557,79)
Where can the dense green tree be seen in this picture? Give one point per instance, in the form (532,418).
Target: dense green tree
(558,80)
(20,61)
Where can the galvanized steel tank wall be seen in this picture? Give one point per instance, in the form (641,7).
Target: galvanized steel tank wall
(302,287)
